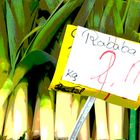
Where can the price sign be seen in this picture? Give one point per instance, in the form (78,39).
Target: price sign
(98,59)
(100,65)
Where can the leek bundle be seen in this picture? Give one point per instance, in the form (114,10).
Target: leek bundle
(31,34)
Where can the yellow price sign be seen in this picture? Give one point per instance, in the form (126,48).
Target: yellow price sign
(92,64)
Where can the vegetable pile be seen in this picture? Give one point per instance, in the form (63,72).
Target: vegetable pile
(31,34)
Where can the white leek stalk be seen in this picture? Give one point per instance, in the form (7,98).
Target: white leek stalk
(46,110)
(2,116)
(46,118)
(63,115)
(116,121)
(4,68)
(9,122)
(101,119)
(20,111)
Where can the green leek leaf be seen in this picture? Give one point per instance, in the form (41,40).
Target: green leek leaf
(50,28)
(96,15)
(117,20)
(84,12)
(19,14)
(11,27)
(3,36)
(30,11)
(106,13)
(133,18)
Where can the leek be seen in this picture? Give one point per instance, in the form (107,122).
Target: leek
(101,119)
(46,111)
(63,115)
(20,110)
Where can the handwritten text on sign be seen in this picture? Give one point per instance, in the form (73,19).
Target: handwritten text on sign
(99,60)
